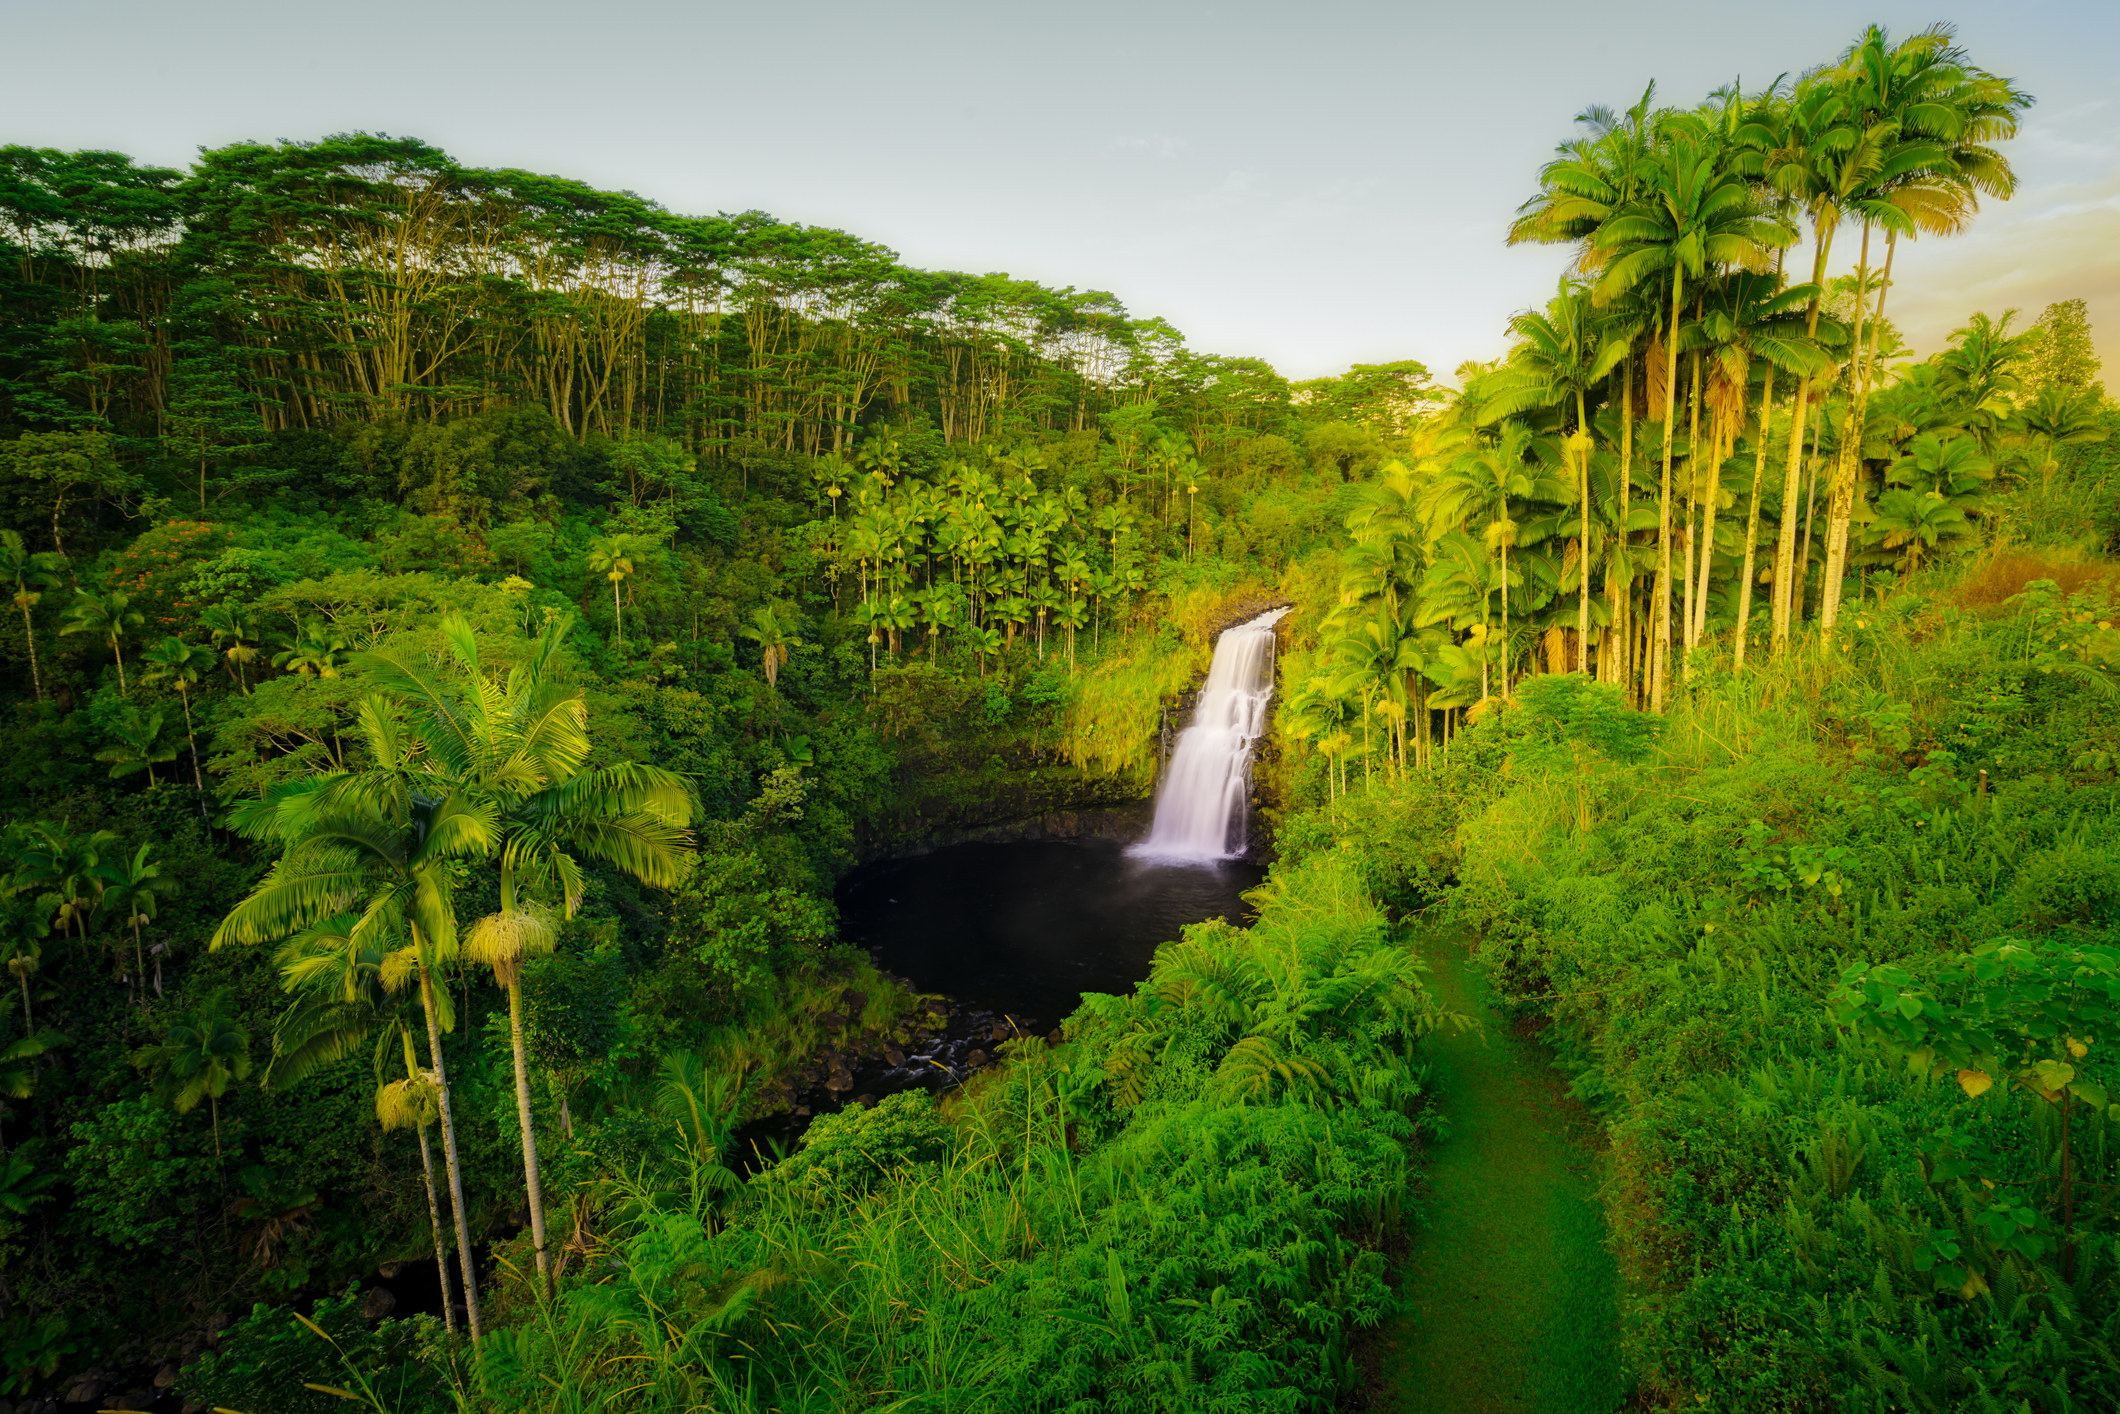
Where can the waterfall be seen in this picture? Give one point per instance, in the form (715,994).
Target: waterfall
(1201,808)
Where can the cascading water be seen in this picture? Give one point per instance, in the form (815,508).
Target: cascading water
(1201,810)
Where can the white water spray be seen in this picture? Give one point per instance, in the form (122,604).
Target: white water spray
(1201,809)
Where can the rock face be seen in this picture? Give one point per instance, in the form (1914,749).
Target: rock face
(1121,823)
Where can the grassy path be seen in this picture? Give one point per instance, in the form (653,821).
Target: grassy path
(1512,1296)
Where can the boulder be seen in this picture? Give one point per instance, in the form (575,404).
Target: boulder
(831,1021)
(86,1391)
(376,1303)
(166,1376)
(975,1059)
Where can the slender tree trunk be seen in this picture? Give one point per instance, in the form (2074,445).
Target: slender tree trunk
(1847,462)
(29,633)
(1582,553)
(1710,506)
(1692,538)
(1620,634)
(1759,471)
(1505,612)
(533,1181)
(434,1207)
(1791,510)
(198,781)
(1660,610)
(124,691)
(1788,603)
(449,1157)
(29,1026)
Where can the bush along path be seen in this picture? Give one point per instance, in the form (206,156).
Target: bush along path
(1511,1297)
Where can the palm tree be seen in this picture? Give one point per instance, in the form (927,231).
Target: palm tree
(390,841)
(2057,417)
(1914,523)
(139,744)
(24,956)
(238,627)
(773,628)
(1697,214)
(33,574)
(1816,158)
(314,651)
(1937,117)
(1484,484)
(515,747)
(68,866)
(181,663)
(202,1054)
(108,616)
(340,1001)
(131,886)
(1750,320)
(611,558)
(1561,354)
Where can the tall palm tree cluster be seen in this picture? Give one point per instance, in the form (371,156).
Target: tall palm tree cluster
(78,885)
(473,775)
(984,555)
(1680,448)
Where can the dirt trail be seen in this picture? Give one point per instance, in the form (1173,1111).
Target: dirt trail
(1512,1297)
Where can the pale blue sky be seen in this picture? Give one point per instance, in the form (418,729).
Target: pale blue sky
(1314,184)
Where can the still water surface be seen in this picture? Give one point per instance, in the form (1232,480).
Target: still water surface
(1023,929)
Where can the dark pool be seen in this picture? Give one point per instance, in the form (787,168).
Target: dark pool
(1024,929)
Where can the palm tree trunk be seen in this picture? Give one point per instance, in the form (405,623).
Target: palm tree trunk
(1791,508)
(29,633)
(198,781)
(1693,461)
(1759,471)
(434,1207)
(29,1027)
(1787,606)
(449,1156)
(532,1180)
(1505,609)
(1619,637)
(139,957)
(1710,504)
(123,690)
(1582,549)
(1847,461)
(1660,609)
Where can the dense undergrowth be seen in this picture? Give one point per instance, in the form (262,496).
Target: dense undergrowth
(1805,1221)
(1186,1202)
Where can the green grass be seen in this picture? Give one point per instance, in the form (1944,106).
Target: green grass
(1512,1300)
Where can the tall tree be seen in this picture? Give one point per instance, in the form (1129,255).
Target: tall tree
(1699,214)
(515,747)
(204,1051)
(108,615)
(389,840)
(33,575)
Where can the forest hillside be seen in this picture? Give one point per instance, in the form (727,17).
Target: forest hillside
(466,625)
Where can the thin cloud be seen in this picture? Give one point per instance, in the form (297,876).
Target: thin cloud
(2059,244)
